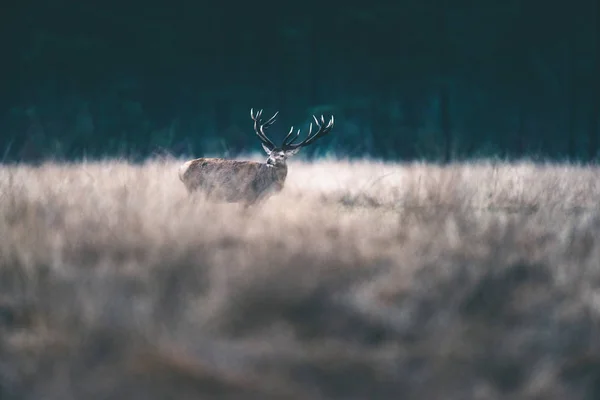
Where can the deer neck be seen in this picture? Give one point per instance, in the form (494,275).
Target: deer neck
(279,170)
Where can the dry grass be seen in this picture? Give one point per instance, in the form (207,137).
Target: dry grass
(360,280)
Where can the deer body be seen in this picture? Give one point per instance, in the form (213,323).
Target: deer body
(248,181)
(232,180)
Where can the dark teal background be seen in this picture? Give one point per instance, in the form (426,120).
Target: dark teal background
(433,79)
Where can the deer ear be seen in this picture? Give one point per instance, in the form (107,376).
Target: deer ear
(266,149)
(292,152)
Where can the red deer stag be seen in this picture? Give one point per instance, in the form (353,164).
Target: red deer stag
(248,181)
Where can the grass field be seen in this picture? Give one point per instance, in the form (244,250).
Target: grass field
(361,280)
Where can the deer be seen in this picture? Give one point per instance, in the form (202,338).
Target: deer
(250,182)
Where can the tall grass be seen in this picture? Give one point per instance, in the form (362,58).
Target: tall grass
(361,280)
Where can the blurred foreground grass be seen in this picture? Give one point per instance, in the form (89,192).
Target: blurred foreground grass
(360,280)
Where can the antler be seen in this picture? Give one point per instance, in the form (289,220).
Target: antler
(324,129)
(259,126)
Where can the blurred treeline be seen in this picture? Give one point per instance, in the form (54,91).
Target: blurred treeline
(433,79)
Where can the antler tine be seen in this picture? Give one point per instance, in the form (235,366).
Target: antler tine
(285,139)
(295,137)
(310,138)
(271,120)
(255,116)
(259,127)
(288,135)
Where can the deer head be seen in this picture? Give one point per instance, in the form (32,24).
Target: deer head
(279,154)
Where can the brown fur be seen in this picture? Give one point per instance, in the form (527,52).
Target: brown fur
(232,180)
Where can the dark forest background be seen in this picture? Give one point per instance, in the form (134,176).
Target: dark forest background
(428,79)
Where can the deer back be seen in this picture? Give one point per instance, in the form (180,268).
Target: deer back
(232,180)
